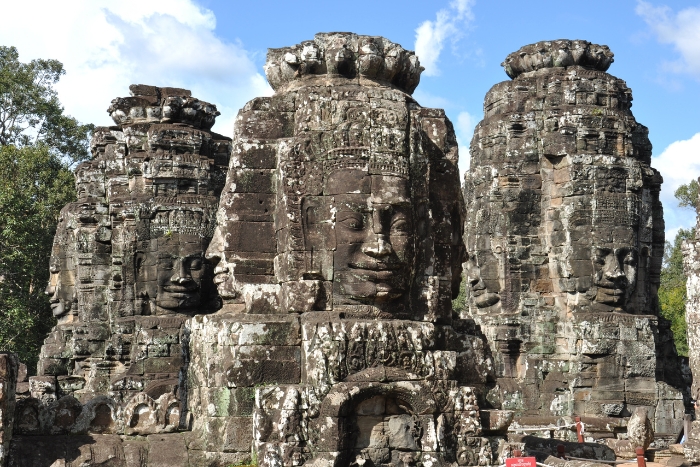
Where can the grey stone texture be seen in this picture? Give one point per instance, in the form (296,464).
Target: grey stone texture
(285,298)
(565,238)
(338,251)
(691,265)
(9,369)
(128,269)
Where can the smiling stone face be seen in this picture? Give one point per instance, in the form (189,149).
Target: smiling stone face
(615,274)
(374,237)
(170,278)
(61,288)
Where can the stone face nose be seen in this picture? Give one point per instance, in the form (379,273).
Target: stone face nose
(216,247)
(378,249)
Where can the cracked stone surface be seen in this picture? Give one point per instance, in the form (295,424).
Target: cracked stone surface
(284,298)
(565,238)
(338,250)
(127,270)
(691,265)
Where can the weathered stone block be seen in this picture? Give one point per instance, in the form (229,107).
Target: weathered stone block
(167,450)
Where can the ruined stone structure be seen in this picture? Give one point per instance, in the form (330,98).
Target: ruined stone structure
(127,270)
(565,238)
(9,368)
(691,264)
(285,298)
(338,251)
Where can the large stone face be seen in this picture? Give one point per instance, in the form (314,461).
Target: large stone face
(565,238)
(338,250)
(128,269)
(333,229)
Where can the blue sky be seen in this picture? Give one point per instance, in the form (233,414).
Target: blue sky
(217,49)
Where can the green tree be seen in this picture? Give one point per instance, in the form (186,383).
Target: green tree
(38,146)
(687,195)
(672,291)
(30,112)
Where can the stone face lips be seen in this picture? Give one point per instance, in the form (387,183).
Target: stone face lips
(565,239)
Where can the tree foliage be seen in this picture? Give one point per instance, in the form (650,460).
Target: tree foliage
(687,195)
(672,290)
(34,186)
(38,146)
(30,112)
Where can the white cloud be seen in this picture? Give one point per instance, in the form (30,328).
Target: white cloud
(681,29)
(431,35)
(679,163)
(464,127)
(427,99)
(106,46)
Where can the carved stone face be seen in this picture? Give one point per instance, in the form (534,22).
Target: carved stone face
(171,277)
(484,296)
(374,236)
(89,182)
(615,274)
(61,289)
(222,273)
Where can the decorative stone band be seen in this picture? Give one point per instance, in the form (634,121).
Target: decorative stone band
(348,55)
(384,163)
(195,221)
(557,54)
(151,104)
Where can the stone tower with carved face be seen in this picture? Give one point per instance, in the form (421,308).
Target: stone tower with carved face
(128,269)
(565,238)
(338,251)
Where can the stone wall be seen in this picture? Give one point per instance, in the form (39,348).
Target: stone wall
(338,251)
(285,298)
(9,368)
(691,265)
(127,270)
(565,239)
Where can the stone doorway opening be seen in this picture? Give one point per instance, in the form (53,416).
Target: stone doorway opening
(386,432)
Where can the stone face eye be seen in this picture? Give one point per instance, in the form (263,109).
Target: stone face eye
(399,225)
(351,221)
(196,264)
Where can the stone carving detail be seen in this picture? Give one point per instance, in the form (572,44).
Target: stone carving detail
(285,298)
(128,269)
(565,236)
(337,252)
(691,265)
(558,54)
(9,369)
